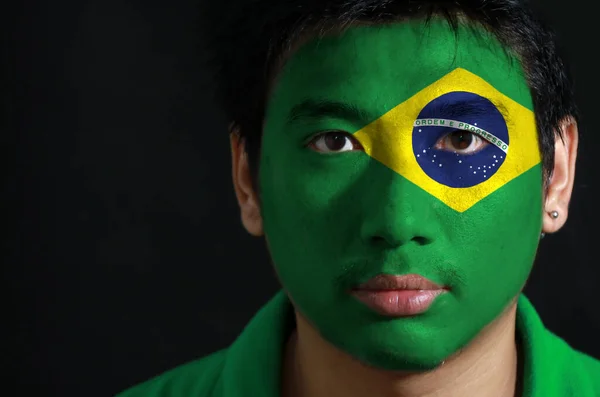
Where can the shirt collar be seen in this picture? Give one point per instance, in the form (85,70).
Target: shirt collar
(253,363)
(539,367)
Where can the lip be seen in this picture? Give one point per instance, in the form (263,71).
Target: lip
(398,296)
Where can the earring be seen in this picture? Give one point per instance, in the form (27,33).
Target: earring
(553,215)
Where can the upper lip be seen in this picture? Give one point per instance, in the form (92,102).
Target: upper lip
(388,282)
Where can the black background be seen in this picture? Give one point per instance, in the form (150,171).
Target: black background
(125,255)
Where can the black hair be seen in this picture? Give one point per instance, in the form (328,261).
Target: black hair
(247,41)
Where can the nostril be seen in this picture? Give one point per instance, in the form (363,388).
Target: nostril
(421,240)
(378,240)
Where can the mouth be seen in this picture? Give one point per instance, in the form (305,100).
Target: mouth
(398,296)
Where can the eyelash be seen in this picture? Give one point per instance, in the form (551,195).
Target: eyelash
(323,134)
(474,139)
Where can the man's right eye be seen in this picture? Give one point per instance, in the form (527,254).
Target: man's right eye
(334,142)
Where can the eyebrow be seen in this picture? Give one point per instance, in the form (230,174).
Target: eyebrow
(471,108)
(317,109)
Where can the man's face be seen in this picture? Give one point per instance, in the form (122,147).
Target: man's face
(401,149)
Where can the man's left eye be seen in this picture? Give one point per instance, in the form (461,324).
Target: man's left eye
(461,142)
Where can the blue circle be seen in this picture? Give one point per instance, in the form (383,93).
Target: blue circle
(449,167)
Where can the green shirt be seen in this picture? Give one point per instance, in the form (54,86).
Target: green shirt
(251,366)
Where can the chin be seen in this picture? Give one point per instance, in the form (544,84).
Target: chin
(411,355)
(399,362)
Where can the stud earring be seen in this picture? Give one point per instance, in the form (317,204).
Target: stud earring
(553,215)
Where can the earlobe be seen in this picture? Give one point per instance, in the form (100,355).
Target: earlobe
(560,186)
(243,186)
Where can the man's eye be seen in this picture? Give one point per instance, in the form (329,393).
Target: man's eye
(461,142)
(334,142)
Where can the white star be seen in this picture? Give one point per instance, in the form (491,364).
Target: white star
(474,172)
(440,165)
(433,161)
(418,155)
(494,156)
(459,161)
(425,151)
(419,130)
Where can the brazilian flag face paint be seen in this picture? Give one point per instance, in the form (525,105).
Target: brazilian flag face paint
(401,149)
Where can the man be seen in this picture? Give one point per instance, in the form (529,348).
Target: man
(405,162)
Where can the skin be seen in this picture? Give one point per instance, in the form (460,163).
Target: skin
(333,220)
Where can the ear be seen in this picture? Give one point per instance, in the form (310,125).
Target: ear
(244,189)
(560,186)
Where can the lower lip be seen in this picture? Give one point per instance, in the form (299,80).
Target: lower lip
(398,303)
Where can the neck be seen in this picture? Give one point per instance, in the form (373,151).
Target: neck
(486,367)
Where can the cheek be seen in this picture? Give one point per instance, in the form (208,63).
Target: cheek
(300,187)
(495,242)
(308,213)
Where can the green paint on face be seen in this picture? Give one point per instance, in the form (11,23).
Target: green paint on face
(335,220)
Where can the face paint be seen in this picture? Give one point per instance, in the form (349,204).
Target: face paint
(447,184)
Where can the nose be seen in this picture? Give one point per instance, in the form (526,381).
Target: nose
(395,211)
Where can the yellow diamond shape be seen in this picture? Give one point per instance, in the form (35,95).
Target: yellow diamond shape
(389,139)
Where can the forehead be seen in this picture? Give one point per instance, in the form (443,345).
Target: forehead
(377,67)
